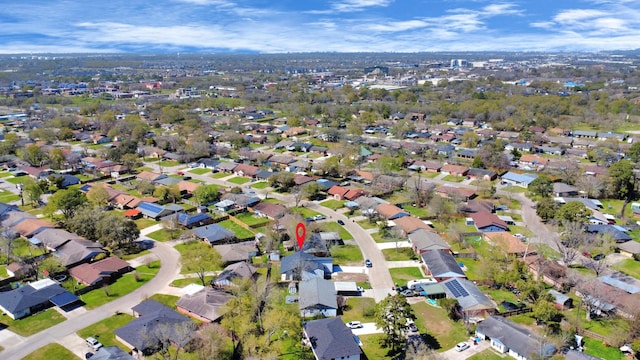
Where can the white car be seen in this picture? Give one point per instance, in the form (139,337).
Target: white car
(462,346)
(354,325)
(93,343)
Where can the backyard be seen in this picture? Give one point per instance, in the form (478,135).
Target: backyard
(241,232)
(442,332)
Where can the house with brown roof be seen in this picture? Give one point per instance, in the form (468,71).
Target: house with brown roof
(455,170)
(125,201)
(533,161)
(187,187)
(294,131)
(344,193)
(390,211)
(232,253)
(300,179)
(366,175)
(101,272)
(508,243)
(409,224)
(246,170)
(488,222)
(206,305)
(30,227)
(150,176)
(37,172)
(237,271)
(552,273)
(271,211)
(455,192)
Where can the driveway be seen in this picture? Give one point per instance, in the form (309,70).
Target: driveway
(452,354)
(366,329)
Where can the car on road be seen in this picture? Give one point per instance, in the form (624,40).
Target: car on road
(181,173)
(93,343)
(319,217)
(309,219)
(354,325)
(368,263)
(462,346)
(340,222)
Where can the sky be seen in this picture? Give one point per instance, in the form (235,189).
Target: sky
(281,26)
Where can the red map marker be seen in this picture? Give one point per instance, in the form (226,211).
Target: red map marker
(301,232)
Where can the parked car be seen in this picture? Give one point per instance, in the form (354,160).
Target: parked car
(354,325)
(408,293)
(462,346)
(599,257)
(340,222)
(309,219)
(319,217)
(181,173)
(401,289)
(93,343)
(368,263)
(413,328)
(509,306)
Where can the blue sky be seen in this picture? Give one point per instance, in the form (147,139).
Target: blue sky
(150,26)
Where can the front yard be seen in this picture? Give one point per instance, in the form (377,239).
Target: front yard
(51,351)
(333,204)
(347,255)
(34,323)
(200,171)
(400,254)
(104,330)
(239,180)
(401,276)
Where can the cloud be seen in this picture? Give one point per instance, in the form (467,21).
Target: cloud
(358,5)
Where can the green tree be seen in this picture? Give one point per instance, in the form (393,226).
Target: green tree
(546,209)
(391,316)
(634,152)
(200,258)
(470,139)
(32,191)
(311,190)
(206,194)
(282,180)
(67,201)
(541,186)
(33,154)
(573,211)
(477,163)
(116,232)
(56,158)
(98,195)
(622,181)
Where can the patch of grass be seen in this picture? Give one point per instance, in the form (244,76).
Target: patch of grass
(51,351)
(165,235)
(219,175)
(5,174)
(597,348)
(168,163)
(420,213)
(629,266)
(272,201)
(372,347)
(520,230)
(200,171)
(260,185)
(22,248)
(441,332)
(401,276)
(361,309)
(143,223)
(377,237)
(305,212)
(104,330)
(188,281)
(347,255)
(472,268)
(453,178)
(241,233)
(513,189)
(251,219)
(614,207)
(34,323)
(3,271)
(333,204)
(335,227)
(366,224)
(126,284)
(8,196)
(487,354)
(400,254)
(16,180)
(239,180)
(168,300)
(133,256)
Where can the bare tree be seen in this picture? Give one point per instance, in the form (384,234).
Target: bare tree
(594,297)
(571,241)
(211,342)
(177,334)
(590,186)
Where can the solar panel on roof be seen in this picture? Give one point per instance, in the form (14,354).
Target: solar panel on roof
(150,207)
(456,289)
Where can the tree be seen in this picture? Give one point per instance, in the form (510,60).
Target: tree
(572,211)
(98,195)
(172,337)
(594,296)
(470,139)
(634,152)
(541,186)
(51,265)
(56,158)
(592,186)
(282,180)
(145,187)
(66,201)
(477,163)
(211,343)
(544,310)
(32,191)
(546,209)
(391,315)
(199,258)
(311,190)
(622,182)
(115,231)
(331,166)
(84,222)
(33,154)
(206,194)
(571,241)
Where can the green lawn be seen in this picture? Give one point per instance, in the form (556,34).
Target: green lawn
(188,281)
(629,266)
(5,174)
(346,255)
(596,348)
(126,284)
(614,207)
(133,256)
(241,233)
(165,234)
(304,212)
(200,171)
(443,333)
(33,324)
(401,276)
(22,248)
(361,309)
(377,237)
(168,163)
(520,230)
(239,180)
(513,189)
(333,204)
(420,213)
(372,348)
(3,271)
(8,196)
(15,180)
(272,201)
(453,178)
(144,223)
(260,185)
(51,351)
(366,224)
(168,300)
(335,227)
(400,254)
(104,330)
(486,355)
(472,268)
(219,175)
(251,219)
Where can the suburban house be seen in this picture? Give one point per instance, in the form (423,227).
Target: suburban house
(343,193)
(629,248)
(246,170)
(111,353)
(331,339)
(441,265)
(455,193)
(77,251)
(104,271)
(564,190)
(155,211)
(301,266)
(481,174)
(150,176)
(533,161)
(190,220)
(236,252)
(206,305)
(31,227)
(514,340)
(410,224)
(151,317)
(488,222)
(240,271)
(34,297)
(390,211)
(214,234)
(508,243)
(551,272)
(522,180)
(268,210)
(455,170)
(472,301)
(53,238)
(317,298)
(423,240)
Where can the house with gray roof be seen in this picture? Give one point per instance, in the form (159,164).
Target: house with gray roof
(589,134)
(53,238)
(33,297)
(423,241)
(236,252)
(214,234)
(471,299)
(522,180)
(562,190)
(509,338)
(561,301)
(153,320)
(111,353)
(331,339)
(302,266)
(317,298)
(241,271)
(442,265)
(78,251)
(206,305)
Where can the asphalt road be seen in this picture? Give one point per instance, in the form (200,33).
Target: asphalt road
(169,258)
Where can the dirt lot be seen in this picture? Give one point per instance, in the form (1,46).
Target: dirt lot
(342,276)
